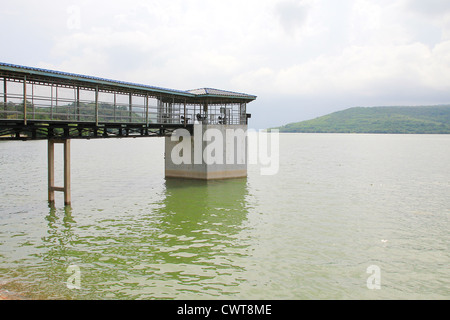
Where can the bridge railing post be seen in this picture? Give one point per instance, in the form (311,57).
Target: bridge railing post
(96,106)
(146,110)
(25,100)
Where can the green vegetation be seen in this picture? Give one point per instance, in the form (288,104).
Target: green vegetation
(72,112)
(84,112)
(417,120)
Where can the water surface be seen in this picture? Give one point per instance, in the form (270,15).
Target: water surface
(339,204)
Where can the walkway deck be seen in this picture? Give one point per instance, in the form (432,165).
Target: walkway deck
(46,104)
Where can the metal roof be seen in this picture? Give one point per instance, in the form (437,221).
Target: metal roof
(219,93)
(196,93)
(80,77)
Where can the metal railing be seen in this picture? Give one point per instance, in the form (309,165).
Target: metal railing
(25,101)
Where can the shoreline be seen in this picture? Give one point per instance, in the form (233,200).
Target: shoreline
(10,291)
(8,295)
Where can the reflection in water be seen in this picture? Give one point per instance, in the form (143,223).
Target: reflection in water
(40,252)
(198,244)
(357,201)
(189,243)
(58,242)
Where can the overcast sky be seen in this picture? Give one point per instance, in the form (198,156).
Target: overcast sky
(302,58)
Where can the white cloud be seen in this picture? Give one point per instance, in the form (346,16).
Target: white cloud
(432,8)
(292,14)
(370,71)
(431,13)
(316,48)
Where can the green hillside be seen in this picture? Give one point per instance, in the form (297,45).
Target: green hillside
(424,119)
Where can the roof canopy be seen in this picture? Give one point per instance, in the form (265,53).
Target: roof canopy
(196,96)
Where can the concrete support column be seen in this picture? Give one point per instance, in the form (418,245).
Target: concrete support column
(51,172)
(212,152)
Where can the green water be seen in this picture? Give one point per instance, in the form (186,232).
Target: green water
(339,204)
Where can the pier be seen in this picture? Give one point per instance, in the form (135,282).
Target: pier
(38,104)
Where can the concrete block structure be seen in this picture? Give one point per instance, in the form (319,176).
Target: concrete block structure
(217,146)
(216,152)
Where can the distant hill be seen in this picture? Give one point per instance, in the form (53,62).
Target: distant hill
(418,120)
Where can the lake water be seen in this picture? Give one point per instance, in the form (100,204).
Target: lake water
(338,205)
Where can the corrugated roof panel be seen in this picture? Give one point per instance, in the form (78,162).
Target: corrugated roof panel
(198,91)
(209,92)
(220,93)
(75,76)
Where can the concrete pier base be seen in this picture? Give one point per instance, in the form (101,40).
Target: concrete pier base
(212,152)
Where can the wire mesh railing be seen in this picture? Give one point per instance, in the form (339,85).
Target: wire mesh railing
(50,102)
